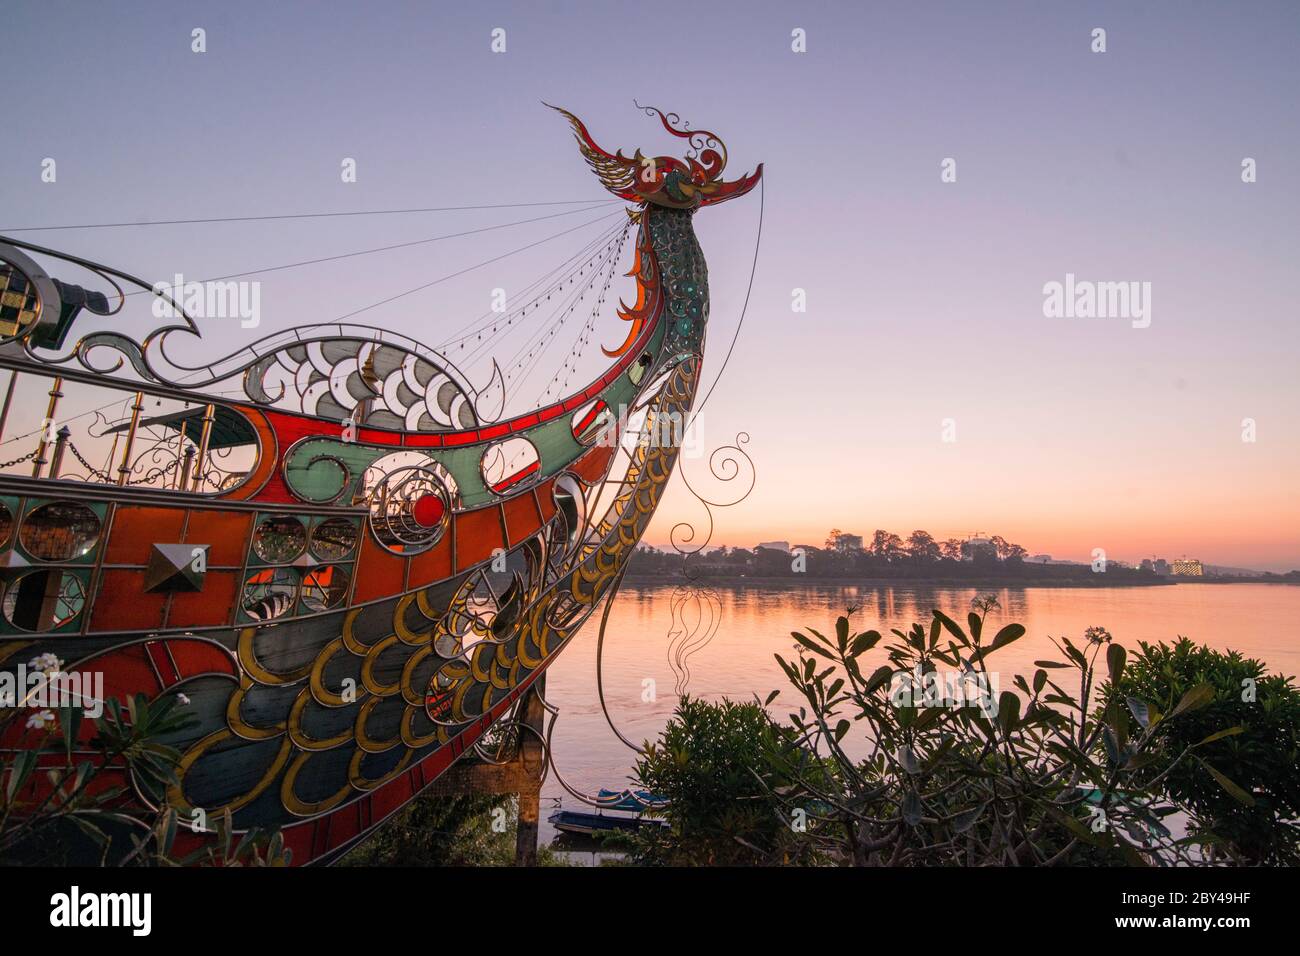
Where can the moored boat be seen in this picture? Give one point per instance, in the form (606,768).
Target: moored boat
(333,545)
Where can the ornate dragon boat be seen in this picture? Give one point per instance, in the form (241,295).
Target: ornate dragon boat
(341,553)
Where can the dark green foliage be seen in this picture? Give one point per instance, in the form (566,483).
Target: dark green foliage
(436,830)
(870,772)
(1255,816)
(441,831)
(703,764)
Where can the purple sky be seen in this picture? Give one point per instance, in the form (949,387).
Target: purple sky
(924,298)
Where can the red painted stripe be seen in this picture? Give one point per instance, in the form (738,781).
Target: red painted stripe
(505,485)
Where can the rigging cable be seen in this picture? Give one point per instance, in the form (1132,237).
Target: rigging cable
(534,344)
(461,272)
(389,248)
(559,314)
(307,215)
(588,249)
(587,327)
(543,296)
(453,275)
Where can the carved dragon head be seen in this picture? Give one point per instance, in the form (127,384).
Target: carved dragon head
(662,180)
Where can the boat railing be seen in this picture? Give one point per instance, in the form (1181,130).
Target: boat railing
(57,427)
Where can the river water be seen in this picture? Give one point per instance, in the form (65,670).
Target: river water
(754,623)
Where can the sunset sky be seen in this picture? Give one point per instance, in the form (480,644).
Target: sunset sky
(924,298)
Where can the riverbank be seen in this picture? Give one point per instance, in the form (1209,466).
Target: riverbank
(991,582)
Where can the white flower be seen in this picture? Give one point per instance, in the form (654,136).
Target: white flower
(185,701)
(41,720)
(1097,635)
(46,663)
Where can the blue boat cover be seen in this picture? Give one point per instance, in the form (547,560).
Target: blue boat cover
(635,801)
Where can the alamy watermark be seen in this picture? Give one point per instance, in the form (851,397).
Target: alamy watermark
(667,429)
(1085,299)
(950,689)
(42,686)
(209,300)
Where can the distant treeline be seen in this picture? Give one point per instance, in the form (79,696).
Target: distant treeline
(991,560)
(919,556)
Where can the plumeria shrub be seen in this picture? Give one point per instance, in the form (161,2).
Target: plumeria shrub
(1255,817)
(719,811)
(910,752)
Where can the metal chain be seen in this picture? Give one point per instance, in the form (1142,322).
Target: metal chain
(157,473)
(18,461)
(101,475)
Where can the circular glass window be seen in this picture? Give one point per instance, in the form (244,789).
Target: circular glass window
(269,593)
(334,539)
(324,588)
(411,497)
(279,539)
(59,531)
(44,600)
(6,524)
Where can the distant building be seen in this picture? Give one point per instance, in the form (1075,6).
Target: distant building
(1038,559)
(848,542)
(775,546)
(1188,568)
(977,545)
(1159,565)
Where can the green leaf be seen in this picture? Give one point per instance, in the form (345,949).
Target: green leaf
(864,642)
(24,764)
(1012,632)
(841,729)
(98,836)
(1008,711)
(1074,825)
(811,645)
(907,759)
(1054,664)
(1112,746)
(1198,696)
(69,717)
(771,697)
(953,628)
(930,715)
(1115,658)
(1219,735)
(1238,794)
(965,820)
(842,632)
(911,808)
(1140,711)
(879,678)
